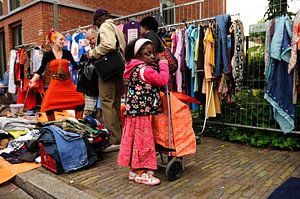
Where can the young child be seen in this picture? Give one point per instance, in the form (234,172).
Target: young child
(144,76)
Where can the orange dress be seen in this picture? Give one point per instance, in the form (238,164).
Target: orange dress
(61,93)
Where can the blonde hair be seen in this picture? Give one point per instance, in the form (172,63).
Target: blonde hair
(51,37)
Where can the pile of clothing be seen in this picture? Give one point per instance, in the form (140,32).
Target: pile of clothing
(71,143)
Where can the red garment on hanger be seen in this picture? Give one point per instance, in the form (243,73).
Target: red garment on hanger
(17,67)
(30,101)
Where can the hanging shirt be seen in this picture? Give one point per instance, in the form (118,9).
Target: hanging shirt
(280,84)
(222,59)
(167,39)
(196,84)
(131,31)
(187,47)
(212,104)
(3,82)
(11,81)
(192,36)
(37,56)
(120,27)
(238,57)
(295,45)
(200,50)
(178,55)
(82,43)
(68,43)
(174,42)
(74,47)
(78,49)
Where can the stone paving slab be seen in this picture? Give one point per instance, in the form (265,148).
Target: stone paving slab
(40,185)
(11,191)
(219,170)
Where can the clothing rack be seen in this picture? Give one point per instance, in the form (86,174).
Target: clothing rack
(151,11)
(26,45)
(195,21)
(188,22)
(184,4)
(78,29)
(130,17)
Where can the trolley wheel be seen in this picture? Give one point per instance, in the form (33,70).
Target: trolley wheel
(174,169)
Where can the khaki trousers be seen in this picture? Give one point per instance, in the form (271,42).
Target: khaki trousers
(110,98)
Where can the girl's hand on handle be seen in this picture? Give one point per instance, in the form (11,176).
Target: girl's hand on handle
(162,56)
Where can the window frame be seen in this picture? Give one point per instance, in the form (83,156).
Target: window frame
(1,8)
(17,36)
(2,53)
(168,15)
(16,4)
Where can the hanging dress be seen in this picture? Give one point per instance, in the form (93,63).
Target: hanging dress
(212,96)
(61,93)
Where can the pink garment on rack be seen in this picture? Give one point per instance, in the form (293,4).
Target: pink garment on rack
(178,56)
(120,26)
(174,42)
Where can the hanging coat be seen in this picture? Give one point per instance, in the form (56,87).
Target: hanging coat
(279,83)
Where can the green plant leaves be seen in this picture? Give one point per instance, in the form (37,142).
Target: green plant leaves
(254,137)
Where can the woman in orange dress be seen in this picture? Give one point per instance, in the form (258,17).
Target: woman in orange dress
(61,93)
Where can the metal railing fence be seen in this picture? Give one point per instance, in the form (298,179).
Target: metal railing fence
(250,109)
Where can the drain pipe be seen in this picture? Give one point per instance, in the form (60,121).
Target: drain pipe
(55,14)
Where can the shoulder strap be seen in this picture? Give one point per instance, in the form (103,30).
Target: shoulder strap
(117,40)
(137,68)
(117,43)
(161,41)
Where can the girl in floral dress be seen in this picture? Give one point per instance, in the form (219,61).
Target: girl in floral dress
(145,72)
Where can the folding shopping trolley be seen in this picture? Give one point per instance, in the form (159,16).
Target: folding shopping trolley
(173,132)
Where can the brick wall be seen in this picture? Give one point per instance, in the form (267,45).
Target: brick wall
(118,7)
(210,8)
(31,21)
(6,2)
(23,2)
(70,18)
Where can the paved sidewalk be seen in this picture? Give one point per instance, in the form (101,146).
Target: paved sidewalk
(11,191)
(219,170)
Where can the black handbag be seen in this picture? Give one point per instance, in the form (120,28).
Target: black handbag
(89,70)
(87,78)
(110,64)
